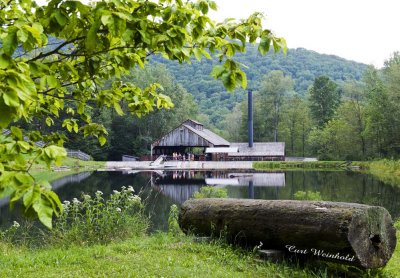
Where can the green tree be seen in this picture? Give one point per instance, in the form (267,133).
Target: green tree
(273,90)
(296,125)
(353,111)
(133,136)
(333,141)
(324,99)
(64,52)
(382,128)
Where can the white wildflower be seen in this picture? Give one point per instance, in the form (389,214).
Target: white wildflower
(116,192)
(75,201)
(99,193)
(15,224)
(130,189)
(67,203)
(86,197)
(118,209)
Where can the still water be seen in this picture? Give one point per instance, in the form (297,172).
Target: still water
(161,189)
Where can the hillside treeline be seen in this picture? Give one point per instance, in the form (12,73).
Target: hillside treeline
(319,105)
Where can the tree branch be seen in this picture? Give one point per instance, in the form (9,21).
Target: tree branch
(55,51)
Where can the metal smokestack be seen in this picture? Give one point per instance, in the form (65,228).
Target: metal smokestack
(250,117)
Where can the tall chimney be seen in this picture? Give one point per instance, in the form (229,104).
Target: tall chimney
(250,117)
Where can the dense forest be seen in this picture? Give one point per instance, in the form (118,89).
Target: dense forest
(302,65)
(319,105)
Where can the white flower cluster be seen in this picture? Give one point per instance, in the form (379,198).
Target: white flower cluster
(15,224)
(86,197)
(135,199)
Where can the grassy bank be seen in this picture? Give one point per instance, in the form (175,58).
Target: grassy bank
(163,255)
(69,166)
(299,165)
(95,237)
(385,170)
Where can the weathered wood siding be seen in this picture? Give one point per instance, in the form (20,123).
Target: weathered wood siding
(182,136)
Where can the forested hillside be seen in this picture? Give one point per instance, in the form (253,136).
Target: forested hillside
(302,65)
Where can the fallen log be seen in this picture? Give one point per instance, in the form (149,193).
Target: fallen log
(348,233)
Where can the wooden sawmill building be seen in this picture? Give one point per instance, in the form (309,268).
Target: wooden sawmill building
(191,135)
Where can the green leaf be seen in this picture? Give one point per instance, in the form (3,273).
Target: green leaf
(241,76)
(24,146)
(5,115)
(10,98)
(49,121)
(10,42)
(118,109)
(52,81)
(197,53)
(217,71)
(61,19)
(17,132)
(91,39)
(23,178)
(55,151)
(44,211)
(229,81)
(22,35)
(54,201)
(263,46)
(4,61)
(31,196)
(102,140)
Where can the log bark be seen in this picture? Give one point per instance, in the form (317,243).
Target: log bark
(348,233)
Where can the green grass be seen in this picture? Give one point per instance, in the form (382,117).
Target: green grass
(300,165)
(163,255)
(385,170)
(71,165)
(159,255)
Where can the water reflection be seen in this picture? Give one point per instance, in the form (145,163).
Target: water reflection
(162,189)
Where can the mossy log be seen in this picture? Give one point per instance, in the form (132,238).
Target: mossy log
(348,233)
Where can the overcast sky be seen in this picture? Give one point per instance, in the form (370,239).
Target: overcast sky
(366,31)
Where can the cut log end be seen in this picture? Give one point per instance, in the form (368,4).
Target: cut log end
(372,236)
(355,234)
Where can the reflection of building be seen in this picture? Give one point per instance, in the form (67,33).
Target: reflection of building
(191,134)
(181,185)
(244,179)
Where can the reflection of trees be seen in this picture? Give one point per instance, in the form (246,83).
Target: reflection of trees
(333,186)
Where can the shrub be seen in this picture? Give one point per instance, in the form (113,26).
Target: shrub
(91,220)
(211,192)
(308,195)
(173,225)
(95,220)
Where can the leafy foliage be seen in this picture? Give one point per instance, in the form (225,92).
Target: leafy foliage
(301,65)
(94,220)
(210,192)
(308,195)
(324,99)
(91,220)
(55,59)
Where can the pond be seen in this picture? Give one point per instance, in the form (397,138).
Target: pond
(161,189)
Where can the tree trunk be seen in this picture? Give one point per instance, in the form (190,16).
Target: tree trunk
(348,233)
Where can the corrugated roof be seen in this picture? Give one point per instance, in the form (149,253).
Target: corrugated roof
(208,135)
(259,149)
